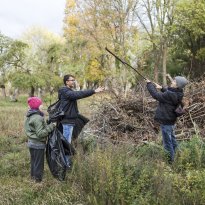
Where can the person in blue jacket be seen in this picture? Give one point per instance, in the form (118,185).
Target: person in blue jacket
(68,98)
(168,98)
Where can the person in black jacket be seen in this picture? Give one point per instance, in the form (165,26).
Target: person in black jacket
(68,98)
(169,98)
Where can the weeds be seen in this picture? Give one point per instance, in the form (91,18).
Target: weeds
(111,175)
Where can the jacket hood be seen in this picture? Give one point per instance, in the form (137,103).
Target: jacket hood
(32,112)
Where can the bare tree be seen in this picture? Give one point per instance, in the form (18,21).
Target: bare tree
(156,18)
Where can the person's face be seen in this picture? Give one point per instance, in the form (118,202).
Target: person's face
(173,84)
(70,82)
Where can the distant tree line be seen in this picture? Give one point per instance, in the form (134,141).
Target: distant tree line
(154,36)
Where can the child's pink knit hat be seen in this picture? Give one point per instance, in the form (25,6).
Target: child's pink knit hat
(34,102)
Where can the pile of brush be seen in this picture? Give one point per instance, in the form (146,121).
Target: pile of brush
(130,119)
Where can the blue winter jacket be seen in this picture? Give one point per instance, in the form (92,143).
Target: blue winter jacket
(168,100)
(69,99)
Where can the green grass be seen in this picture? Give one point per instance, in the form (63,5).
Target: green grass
(22,102)
(113,175)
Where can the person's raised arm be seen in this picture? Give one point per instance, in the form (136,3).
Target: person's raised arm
(152,88)
(156,85)
(169,77)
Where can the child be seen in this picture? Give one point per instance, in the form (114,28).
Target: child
(165,114)
(37,132)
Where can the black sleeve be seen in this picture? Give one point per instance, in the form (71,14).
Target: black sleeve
(164,89)
(75,95)
(159,96)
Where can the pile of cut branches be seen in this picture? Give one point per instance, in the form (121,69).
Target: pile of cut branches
(130,120)
(193,122)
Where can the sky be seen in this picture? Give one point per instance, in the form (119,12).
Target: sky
(16,16)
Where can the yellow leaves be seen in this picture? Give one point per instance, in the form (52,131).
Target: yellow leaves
(71,32)
(94,72)
(71,23)
(70,4)
(72,20)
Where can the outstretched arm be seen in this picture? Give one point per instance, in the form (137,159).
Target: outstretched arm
(75,95)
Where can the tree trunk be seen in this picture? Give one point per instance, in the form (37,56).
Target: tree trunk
(156,64)
(31,94)
(156,72)
(164,64)
(3,91)
(84,84)
(127,88)
(40,92)
(14,95)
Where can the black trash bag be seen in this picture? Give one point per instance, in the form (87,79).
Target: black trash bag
(80,122)
(55,112)
(57,149)
(68,148)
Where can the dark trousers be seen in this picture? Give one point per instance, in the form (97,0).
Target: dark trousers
(37,164)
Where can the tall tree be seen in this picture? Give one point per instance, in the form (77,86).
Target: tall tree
(189,36)
(156,18)
(101,23)
(44,58)
(11,57)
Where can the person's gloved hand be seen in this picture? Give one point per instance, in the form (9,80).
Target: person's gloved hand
(99,89)
(148,81)
(169,77)
(158,86)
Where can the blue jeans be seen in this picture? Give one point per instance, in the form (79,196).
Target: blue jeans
(169,140)
(67,133)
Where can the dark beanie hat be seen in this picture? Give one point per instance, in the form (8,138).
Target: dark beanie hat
(181,81)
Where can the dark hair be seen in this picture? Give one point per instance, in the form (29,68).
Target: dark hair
(66,78)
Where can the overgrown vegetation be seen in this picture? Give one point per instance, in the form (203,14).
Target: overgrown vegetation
(153,36)
(111,174)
